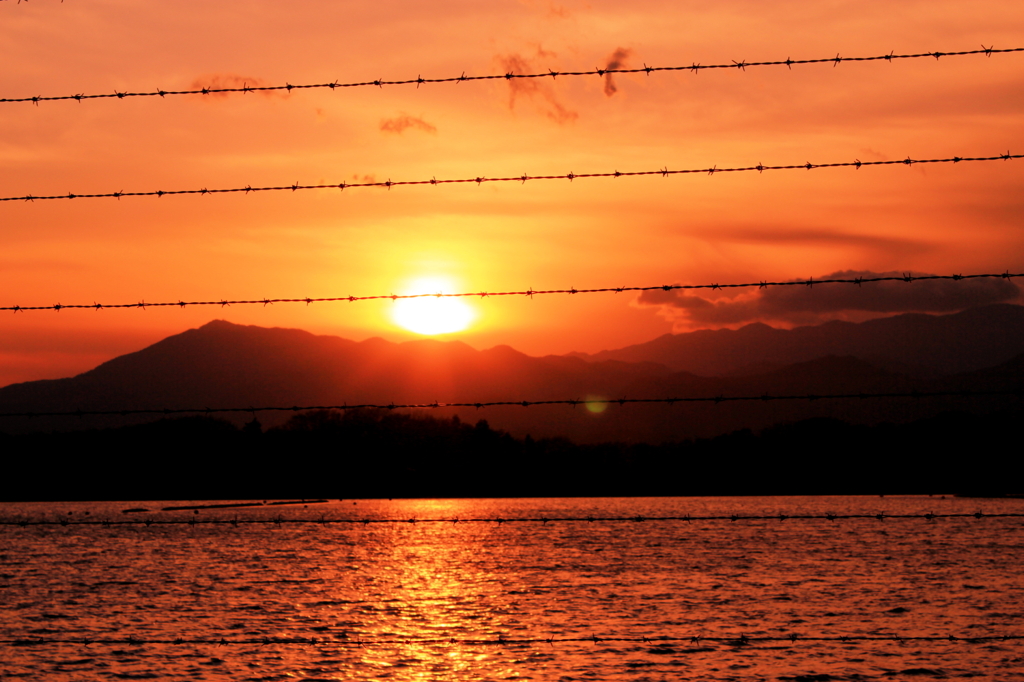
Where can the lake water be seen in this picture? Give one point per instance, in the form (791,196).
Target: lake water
(345,583)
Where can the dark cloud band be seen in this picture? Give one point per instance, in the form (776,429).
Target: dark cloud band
(804,304)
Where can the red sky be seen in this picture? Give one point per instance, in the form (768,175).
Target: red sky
(589,233)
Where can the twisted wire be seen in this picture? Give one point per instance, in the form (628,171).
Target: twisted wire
(761,284)
(810,397)
(479,180)
(509,76)
(501,640)
(324,521)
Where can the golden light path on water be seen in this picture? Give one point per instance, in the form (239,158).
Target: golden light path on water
(432,315)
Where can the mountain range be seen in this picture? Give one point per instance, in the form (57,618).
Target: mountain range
(912,343)
(226,365)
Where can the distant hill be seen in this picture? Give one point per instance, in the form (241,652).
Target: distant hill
(918,344)
(227,365)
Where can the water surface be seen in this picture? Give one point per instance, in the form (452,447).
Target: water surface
(362,583)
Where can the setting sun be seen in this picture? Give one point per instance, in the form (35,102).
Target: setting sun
(432,314)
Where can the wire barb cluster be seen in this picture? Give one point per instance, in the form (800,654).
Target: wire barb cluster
(761,284)
(810,397)
(324,521)
(501,640)
(479,180)
(509,75)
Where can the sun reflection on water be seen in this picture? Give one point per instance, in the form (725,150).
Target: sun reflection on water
(438,582)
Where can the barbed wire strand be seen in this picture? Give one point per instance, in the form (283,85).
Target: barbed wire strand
(501,640)
(479,180)
(510,75)
(762,284)
(810,397)
(324,521)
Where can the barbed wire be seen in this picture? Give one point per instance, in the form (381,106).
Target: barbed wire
(762,284)
(366,521)
(479,180)
(501,640)
(810,397)
(509,76)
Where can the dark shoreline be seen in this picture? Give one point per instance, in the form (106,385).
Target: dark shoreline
(233,505)
(381,455)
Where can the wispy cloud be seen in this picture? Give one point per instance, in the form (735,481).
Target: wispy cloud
(617,60)
(403,122)
(218,81)
(541,91)
(827,236)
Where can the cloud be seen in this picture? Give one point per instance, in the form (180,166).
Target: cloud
(552,9)
(616,61)
(218,81)
(545,54)
(886,247)
(811,305)
(533,88)
(404,121)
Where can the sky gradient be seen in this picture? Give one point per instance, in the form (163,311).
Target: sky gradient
(943,219)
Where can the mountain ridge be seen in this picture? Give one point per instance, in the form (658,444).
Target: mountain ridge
(931,344)
(222,364)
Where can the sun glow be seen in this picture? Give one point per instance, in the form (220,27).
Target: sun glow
(432,315)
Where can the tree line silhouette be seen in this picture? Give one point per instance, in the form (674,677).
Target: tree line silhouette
(388,454)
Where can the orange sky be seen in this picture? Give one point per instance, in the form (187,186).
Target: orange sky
(588,233)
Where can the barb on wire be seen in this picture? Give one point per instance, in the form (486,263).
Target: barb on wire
(501,640)
(479,180)
(324,521)
(761,284)
(1018,392)
(419,80)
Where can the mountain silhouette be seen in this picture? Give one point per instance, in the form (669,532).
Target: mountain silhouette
(227,365)
(914,343)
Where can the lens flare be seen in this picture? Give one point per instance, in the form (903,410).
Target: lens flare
(432,315)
